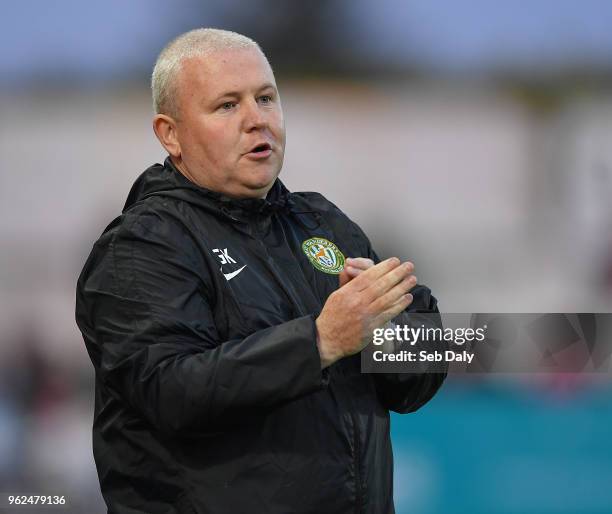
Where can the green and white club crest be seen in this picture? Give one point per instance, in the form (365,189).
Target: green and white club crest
(324,255)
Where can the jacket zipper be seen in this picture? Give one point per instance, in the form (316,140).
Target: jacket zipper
(356,433)
(357,463)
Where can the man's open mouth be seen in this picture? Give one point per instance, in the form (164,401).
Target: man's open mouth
(263,147)
(260,151)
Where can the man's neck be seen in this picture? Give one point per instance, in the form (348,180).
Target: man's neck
(179,164)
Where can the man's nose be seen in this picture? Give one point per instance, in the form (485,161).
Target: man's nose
(254,118)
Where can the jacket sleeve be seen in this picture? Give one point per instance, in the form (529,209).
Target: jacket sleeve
(407,392)
(151,334)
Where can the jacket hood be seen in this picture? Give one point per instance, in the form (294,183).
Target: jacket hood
(166,180)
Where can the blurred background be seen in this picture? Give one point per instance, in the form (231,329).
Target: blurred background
(471,137)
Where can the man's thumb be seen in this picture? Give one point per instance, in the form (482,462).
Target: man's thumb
(343,278)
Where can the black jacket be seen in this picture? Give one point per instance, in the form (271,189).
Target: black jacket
(209,394)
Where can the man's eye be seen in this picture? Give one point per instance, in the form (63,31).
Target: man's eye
(265,99)
(228,105)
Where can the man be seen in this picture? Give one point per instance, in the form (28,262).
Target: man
(224,322)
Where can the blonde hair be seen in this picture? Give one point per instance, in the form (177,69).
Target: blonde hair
(195,43)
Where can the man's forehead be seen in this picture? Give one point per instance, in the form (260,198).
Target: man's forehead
(233,69)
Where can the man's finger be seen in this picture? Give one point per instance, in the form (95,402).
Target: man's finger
(353,266)
(353,272)
(361,263)
(394,310)
(370,275)
(394,294)
(383,284)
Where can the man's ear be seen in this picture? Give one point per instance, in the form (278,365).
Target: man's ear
(165,129)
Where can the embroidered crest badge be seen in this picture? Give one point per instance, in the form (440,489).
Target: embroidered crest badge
(324,255)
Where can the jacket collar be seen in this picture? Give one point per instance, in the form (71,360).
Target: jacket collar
(277,199)
(166,180)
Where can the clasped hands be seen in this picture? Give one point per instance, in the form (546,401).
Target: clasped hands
(369,295)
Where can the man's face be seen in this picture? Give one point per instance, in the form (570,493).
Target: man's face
(230,124)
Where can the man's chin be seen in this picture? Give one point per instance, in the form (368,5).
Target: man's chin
(260,183)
